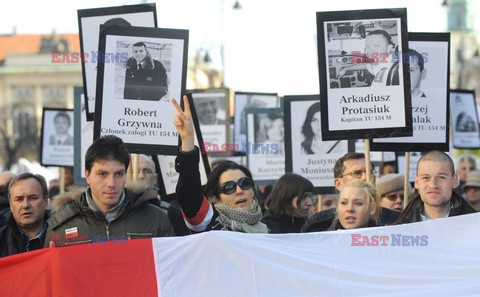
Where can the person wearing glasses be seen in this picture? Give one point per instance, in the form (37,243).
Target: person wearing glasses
(390,187)
(235,207)
(288,204)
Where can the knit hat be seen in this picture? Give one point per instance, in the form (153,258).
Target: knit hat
(473,179)
(391,183)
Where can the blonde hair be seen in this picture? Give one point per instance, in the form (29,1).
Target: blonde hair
(370,191)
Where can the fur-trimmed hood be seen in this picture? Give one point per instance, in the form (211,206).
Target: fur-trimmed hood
(75,192)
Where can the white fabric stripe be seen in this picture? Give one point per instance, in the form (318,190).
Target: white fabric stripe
(203,225)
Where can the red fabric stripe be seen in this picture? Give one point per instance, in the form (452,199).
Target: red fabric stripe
(201,214)
(84,270)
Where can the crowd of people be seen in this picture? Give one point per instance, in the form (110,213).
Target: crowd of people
(115,207)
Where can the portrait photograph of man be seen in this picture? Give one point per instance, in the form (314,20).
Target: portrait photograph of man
(145,77)
(57,137)
(62,123)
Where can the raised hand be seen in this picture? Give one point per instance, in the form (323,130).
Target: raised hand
(184,124)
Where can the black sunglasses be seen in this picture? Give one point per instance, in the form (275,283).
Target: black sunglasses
(227,188)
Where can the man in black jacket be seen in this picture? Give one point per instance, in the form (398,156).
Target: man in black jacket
(107,211)
(435,182)
(26,225)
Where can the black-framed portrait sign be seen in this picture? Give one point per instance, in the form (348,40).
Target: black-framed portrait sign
(364,85)
(306,153)
(89,22)
(57,137)
(83,136)
(243,101)
(265,147)
(144,68)
(167,175)
(429,55)
(465,123)
(211,108)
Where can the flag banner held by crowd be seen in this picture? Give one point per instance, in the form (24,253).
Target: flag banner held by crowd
(56,147)
(243,101)
(465,122)
(364,80)
(133,99)
(430,77)
(306,153)
(265,145)
(406,260)
(89,21)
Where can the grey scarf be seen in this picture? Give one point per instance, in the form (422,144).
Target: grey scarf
(241,220)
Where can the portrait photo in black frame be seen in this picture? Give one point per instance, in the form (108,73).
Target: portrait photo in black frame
(465,122)
(306,153)
(133,99)
(89,21)
(265,147)
(56,147)
(243,101)
(212,110)
(167,175)
(429,55)
(365,90)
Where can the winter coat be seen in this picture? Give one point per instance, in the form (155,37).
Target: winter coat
(73,222)
(414,209)
(282,224)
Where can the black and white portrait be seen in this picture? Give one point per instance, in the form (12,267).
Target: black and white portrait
(244,101)
(89,22)
(270,131)
(364,89)
(143,69)
(145,76)
(57,137)
(465,122)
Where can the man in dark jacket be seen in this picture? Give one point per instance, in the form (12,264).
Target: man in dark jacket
(435,182)
(107,211)
(26,225)
(145,77)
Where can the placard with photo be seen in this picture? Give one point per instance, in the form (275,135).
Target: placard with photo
(144,69)
(306,153)
(243,101)
(364,82)
(429,83)
(89,22)
(57,137)
(465,124)
(211,107)
(83,136)
(265,148)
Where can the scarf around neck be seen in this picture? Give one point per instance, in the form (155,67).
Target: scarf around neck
(241,220)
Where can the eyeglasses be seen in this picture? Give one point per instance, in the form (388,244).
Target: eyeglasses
(359,173)
(394,197)
(227,188)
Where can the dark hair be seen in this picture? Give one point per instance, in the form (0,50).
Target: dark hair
(141,43)
(40,179)
(213,183)
(437,156)
(339,166)
(108,147)
(117,22)
(416,57)
(62,114)
(307,127)
(289,186)
(383,33)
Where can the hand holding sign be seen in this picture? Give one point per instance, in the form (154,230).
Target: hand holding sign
(184,124)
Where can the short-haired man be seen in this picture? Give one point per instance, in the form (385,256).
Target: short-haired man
(207,109)
(435,182)
(145,77)
(26,226)
(107,210)
(417,73)
(62,123)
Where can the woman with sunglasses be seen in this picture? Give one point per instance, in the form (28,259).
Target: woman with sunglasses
(288,204)
(235,209)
